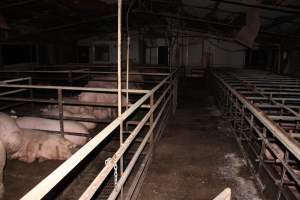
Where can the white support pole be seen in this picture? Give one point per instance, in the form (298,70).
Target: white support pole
(127,70)
(120,83)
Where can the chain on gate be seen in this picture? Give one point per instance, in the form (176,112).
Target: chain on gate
(115,172)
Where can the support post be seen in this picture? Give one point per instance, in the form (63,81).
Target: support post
(60,108)
(120,84)
(127,74)
(151,119)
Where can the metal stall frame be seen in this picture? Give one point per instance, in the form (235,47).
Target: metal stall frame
(21,88)
(242,95)
(166,100)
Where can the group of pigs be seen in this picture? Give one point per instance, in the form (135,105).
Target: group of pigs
(23,138)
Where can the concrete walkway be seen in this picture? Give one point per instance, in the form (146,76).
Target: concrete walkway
(197,157)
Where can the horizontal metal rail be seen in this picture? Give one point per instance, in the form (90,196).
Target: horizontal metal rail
(90,89)
(16,80)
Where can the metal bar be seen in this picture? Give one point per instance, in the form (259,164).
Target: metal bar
(15,80)
(127,70)
(65,102)
(60,108)
(13,92)
(12,105)
(120,85)
(90,89)
(80,72)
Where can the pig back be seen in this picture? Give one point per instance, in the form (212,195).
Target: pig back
(54,125)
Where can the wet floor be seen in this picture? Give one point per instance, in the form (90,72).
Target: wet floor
(197,156)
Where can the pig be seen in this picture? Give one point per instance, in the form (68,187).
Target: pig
(105,98)
(39,145)
(69,108)
(54,125)
(110,80)
(2,164)
(55,112)
(9,133)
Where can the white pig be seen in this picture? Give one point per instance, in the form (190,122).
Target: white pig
(54,125)
(105,98)
(70,108)
(9,133)
(2,164)
(55,112)
(39,145)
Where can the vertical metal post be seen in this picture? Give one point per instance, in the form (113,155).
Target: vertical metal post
(70,78)
(60,108)
(202,59)
(127,71)
(31,93)
(1,58)
(263,148)
(120,83)
(173,92)
(127,74)
(283,175)
(151,119)
(187,56)
(37,54)
(279,60)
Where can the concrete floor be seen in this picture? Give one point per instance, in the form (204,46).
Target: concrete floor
(197,156)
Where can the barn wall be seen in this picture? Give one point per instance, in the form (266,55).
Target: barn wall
(226,53)
(110,40)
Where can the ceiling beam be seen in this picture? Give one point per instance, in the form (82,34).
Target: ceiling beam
(219,10)
(210,22)
(18,3)
(280,20)
(214,9)
(263,6)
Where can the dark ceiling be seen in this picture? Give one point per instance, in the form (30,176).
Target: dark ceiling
(69,20)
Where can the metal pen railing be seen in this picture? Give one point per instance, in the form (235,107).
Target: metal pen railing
(261,126)
(163,92)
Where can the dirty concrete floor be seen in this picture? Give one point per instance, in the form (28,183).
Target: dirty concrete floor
(197,156)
